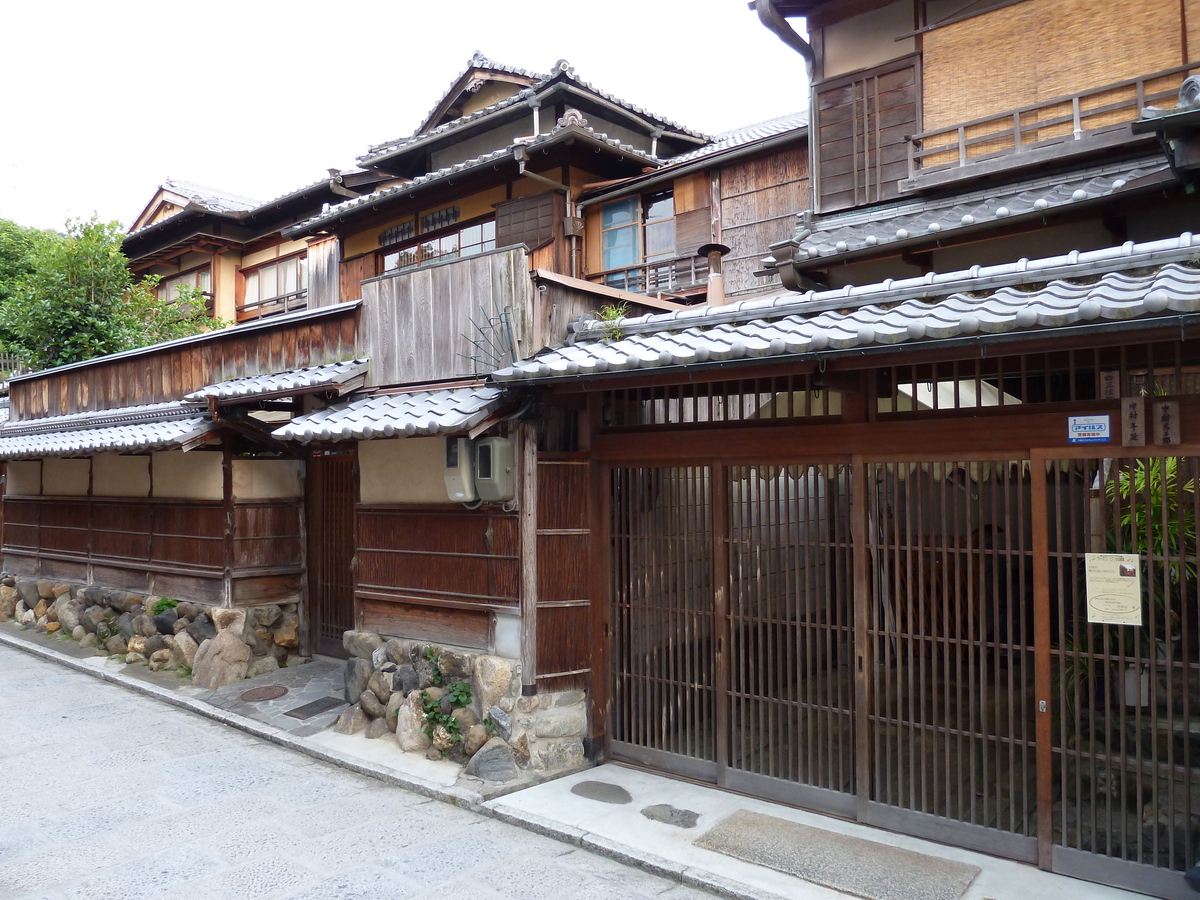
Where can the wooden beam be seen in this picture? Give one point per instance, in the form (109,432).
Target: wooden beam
(527,485)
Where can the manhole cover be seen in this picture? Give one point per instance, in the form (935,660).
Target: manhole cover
(266,692)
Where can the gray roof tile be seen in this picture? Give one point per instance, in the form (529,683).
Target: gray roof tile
(829,237)
(1135,280)
(396,415)
(341,376)
(747,134)
(131,429)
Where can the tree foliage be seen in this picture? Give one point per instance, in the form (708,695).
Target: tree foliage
(79,300)
(19,246)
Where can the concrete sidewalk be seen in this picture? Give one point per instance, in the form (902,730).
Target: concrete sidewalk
(600,809)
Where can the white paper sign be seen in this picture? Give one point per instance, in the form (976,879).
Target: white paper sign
(1114,588)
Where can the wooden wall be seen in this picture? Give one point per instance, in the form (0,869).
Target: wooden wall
(416,324)
(176,548)
(564,648)
(324,272)
(170,372)
(759,202)
(435,572)
(860,122)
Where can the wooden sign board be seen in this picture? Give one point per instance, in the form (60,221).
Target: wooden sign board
(1165,414)
(1133,422)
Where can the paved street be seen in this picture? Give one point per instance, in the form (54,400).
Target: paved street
(105,793)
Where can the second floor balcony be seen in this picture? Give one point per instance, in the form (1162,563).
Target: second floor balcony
(1089,121)
(679,277)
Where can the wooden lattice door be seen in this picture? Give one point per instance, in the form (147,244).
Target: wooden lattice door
(331,495)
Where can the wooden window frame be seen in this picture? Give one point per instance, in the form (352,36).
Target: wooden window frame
(279,303)
(383,253)
(209,301)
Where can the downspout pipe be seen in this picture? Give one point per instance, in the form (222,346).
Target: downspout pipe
(773,21)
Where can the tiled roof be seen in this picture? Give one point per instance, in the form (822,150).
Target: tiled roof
(342,376)
(974,303)
(96,418)
(210,198)
(747,134)
(571,122)
(115,439)
(477,61)
(133,428)
(830,237)
(396,415)
(562,69)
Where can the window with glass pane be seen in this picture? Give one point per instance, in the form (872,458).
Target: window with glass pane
(658,222)
(168,288)
(467,241)
(276,287)
(618,228)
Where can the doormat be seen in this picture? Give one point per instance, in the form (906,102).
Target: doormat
(855,866)
(308,710)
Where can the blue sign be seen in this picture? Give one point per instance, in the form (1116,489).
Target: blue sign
(1089,429)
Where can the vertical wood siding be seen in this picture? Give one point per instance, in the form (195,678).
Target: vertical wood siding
(173,371)
(417,324)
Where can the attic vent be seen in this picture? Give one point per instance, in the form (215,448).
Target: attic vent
(397,233)
(439,219)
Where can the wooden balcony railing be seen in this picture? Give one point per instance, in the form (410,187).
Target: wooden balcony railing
(1093,118)
(665,277)
(273,306)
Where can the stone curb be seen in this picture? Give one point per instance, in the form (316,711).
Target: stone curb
(471,800)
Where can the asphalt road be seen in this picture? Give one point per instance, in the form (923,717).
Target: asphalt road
(105,793)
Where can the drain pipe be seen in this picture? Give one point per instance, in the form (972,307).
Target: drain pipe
(774,22)
(522,157)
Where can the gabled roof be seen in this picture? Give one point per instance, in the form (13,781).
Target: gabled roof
(188,194)
(572,126)
(479,67)
(445,411)
(340,378)
(1137,281)
(834,238)
(561,77)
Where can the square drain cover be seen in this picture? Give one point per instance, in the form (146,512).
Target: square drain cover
(308,710)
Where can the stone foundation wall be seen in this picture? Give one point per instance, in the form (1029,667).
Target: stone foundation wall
(406,690)
(186,637)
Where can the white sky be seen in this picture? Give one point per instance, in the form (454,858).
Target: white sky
(259,97)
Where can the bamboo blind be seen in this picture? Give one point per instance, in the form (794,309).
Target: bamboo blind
(1032,52)
(1191,14)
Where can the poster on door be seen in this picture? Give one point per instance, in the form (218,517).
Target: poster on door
(1114,588)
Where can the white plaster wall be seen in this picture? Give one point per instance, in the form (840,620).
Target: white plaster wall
(120,476)
(869,39)
(190,476)
(402,470)
(265,479)
(66,477)
(24,476)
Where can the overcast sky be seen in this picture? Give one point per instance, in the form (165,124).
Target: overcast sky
(106,100)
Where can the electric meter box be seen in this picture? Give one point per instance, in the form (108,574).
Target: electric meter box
(494,479)
(459,471)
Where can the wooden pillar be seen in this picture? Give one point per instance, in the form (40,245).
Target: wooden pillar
(227,490)
(718,485)
(600,564)
(527,442)
(1043,701)
(861,560)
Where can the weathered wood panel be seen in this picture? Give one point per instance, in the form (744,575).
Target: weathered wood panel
(170,547)
(418,325)
(267,535)
(563,610)
(459,627)
(352,273)
(759,202)
(861,123)
(324,272)
(437,554)
(168,372)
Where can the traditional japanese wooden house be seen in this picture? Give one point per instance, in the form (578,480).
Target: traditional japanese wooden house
(849,538)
